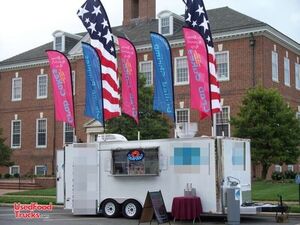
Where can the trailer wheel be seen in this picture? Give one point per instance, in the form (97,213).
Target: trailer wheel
(111,208)
(131,209)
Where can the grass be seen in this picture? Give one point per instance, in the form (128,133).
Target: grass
(42,192)
(294,208)
(42,196)
(269,191)
(27,200)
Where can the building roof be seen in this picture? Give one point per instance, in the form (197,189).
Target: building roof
(221,20)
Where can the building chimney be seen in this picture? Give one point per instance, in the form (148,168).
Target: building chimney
(138,9)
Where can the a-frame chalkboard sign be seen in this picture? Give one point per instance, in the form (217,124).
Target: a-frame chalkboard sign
(154,204)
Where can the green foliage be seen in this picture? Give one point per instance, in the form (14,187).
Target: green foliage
(7,175)
(152,125)
(5,152)
(283,176)
(290,174)
(277,176)
(271,125)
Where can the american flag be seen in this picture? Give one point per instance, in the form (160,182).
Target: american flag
(196,17)
(95,20)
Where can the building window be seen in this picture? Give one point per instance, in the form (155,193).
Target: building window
(278,168)
(298,115)
(297,76)
(42,86)
(16,134)
(41,133)
(287,77)
(222,122)
(182,115)
(123,164)
(59,43)
(275,66)
(68,134)
(165,25)
(181,71)
(40,170)
(146,70)
(16,89)
(290,168)
(73,81)
(14,170)
(222,60)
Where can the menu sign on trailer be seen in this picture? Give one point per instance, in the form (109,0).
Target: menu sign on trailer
(154,204)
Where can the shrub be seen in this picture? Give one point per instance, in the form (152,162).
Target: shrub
(16,175)
(0,175)
(7,175)
(289,174)
(277,176)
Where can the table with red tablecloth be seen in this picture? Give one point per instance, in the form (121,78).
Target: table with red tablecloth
(186,208)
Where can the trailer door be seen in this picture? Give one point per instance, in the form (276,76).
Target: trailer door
(86,182)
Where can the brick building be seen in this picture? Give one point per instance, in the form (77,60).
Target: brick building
(248,52)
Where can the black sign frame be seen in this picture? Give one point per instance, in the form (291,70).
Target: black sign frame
(154,205)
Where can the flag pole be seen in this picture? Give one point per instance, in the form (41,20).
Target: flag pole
(54,143)
(73,98)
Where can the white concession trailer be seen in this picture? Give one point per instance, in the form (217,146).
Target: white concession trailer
(113,177)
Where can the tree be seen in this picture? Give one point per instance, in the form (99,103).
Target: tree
(152,124)
(5,152)
(271,125)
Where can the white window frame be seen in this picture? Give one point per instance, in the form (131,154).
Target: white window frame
(175,69)
(12,134)
(290,167)
(13,98)
(64,134)
(275,73)
(228,66)
(73,81)
(62,42)
(183,109)
(38,88)
(221,124)
(287,72)
(297,76)
(278,168)
(45,171)
(166,17)
(15,166)
(142,72)
(298,115)
(37,133)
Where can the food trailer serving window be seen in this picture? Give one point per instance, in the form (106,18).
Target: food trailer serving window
(135,162)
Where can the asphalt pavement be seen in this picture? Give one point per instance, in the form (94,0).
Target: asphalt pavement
(59,216)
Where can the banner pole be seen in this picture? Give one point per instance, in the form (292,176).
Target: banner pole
(54,143)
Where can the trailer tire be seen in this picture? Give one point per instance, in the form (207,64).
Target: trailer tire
(131,209)
(111,208)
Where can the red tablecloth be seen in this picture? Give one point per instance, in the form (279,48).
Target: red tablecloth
(186,208)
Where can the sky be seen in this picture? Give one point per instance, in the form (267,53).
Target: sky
(26,24)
